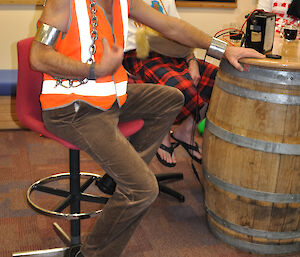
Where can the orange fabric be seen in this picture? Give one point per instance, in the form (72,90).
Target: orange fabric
(54,100)
(70,46)
(122,99)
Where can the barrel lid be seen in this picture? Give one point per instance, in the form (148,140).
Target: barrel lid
(289,50)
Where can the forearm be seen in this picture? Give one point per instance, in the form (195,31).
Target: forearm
(191,58)
(187,34)
(46,59)
(171,27)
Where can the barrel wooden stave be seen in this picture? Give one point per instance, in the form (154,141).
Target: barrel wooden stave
(252,169)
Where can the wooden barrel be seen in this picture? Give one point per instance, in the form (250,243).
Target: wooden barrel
(251,158)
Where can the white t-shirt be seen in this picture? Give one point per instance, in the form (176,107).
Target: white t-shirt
(279,7)
(164,6)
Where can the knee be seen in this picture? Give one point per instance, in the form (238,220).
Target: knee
(149,191)
(146,192)
(154,191)
(179,96)
(176,97)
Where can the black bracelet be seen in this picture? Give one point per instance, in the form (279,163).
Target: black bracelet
(92,72)
(189,60)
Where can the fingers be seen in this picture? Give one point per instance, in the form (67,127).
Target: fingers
(114,49)
(234,54)
(253,54)
(196,80)
(237,65)
(105,44)
(111,59)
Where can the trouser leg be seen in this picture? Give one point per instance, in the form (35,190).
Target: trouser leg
(158,106)
(96,133)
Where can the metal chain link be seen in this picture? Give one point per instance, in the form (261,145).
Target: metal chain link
(94,32)
(92,49)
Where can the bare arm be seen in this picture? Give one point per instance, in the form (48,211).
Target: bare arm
(172,27)
(46,59)
(184,33)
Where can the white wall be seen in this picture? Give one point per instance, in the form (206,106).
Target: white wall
(16,22)
(19,21)
(212,20)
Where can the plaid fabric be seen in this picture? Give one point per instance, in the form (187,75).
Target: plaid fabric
(164,70)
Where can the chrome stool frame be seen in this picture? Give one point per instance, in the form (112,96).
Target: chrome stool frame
(40,185)
(72,199)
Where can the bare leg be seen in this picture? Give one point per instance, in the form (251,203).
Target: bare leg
(184,133)
(164,154)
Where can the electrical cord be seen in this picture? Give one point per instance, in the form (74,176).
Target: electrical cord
(226,31)
(197,111)
(197,114)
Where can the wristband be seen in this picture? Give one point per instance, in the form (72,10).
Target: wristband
(217,48)
(92,72)
(189,60)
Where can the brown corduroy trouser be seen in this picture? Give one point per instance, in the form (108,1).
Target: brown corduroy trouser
(96,132)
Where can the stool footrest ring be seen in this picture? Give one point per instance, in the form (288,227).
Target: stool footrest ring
(40,185)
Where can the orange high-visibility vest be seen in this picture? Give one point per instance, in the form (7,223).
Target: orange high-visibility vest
(75,44)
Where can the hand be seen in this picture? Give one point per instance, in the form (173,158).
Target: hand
(111,60)
(233,54)
(194,72)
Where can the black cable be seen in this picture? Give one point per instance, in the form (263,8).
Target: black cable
(197,114)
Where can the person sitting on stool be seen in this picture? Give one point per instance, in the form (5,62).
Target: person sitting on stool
(85,94)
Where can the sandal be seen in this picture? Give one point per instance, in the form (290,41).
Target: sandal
(170,150)
(188,148)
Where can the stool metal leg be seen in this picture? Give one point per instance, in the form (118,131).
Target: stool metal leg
(75,194)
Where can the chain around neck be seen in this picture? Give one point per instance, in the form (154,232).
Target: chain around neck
(92,49)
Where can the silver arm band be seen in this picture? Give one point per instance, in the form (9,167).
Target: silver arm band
(217,48)
(47,34)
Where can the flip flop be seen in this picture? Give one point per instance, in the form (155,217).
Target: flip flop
(170,150)
(188,147)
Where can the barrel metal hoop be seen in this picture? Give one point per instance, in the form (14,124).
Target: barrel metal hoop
(250,193)
(253,232)
(257,95)
(254,247)
(256,144)
(263,74)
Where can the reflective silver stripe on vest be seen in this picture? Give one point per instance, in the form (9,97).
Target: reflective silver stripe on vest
(260,145)
(263,74)
(257,95)
(250,193)
(254,247)
(91,88)
(83,23)
(254,232)
(124,11)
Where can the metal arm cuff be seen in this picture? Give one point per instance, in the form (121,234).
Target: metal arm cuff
(217,48)
(47,34)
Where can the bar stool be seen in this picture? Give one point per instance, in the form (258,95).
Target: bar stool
(30,115)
